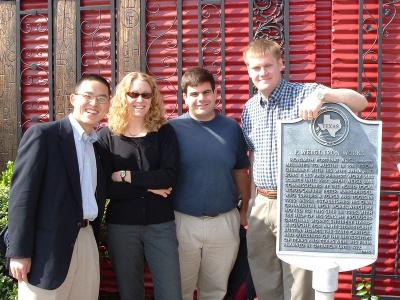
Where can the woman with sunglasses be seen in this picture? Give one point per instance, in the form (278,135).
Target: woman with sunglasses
(141,155)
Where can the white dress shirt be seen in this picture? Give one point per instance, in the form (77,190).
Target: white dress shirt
(87,168)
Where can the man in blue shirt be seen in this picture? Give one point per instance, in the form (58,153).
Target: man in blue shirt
(213,172)
(277,99)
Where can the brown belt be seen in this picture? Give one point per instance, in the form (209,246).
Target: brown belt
(271,194)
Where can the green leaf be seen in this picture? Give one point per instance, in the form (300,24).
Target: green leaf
(360,286)
(368,285)
(362,293)
(374,298)
(365,298)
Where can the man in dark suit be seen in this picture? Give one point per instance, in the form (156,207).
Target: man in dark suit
(57,191)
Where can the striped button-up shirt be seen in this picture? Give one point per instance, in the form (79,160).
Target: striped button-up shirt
(259,119)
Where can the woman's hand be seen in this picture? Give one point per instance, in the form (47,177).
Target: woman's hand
(162,192)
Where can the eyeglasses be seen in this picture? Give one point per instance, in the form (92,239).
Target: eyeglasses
(135,95)
(90,97)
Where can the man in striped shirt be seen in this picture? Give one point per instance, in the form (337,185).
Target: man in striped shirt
(277,99)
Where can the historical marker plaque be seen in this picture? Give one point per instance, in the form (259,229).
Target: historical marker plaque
(328,191)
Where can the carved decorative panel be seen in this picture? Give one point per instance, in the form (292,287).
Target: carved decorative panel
(128,31)
(8,103)
(65,56)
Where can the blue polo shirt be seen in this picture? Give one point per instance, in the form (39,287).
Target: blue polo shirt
(209,152)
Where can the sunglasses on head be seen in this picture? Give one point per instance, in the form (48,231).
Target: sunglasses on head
(135,95)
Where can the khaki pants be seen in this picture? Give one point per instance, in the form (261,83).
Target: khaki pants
(273,279)
(207,252)
(82,280)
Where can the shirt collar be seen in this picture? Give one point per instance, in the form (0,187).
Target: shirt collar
(79,133)
(187,115)
(274,97)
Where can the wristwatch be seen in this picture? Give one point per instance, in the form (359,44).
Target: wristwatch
(122,173)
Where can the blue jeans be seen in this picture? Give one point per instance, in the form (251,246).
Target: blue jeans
(130,244)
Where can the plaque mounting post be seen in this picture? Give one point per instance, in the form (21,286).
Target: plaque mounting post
(325,282)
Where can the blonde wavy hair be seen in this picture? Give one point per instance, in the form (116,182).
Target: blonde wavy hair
(118,116)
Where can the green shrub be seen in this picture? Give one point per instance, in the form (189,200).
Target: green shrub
(5,183)
(364,290)
(8,288)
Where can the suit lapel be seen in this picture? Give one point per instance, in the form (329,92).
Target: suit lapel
(101,181)
(68,150)
(99,171)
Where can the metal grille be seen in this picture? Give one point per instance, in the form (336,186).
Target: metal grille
(199,34)
(96,53)
(171,47)
(385,272)
(34,64)
(270,20)
(96,50)
(374,28)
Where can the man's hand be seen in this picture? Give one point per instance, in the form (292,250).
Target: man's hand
(162,192)
(20,267)
(310,107)
(243,215)
(242,181)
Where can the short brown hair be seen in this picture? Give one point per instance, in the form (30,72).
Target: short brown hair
(196,76)
(258,48)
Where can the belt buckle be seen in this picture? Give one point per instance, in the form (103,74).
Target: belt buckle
(85,223)
(209,216)
(271,194)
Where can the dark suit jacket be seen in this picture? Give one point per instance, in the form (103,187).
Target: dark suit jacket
(45,209)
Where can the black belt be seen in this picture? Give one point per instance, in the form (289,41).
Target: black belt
(84,223)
